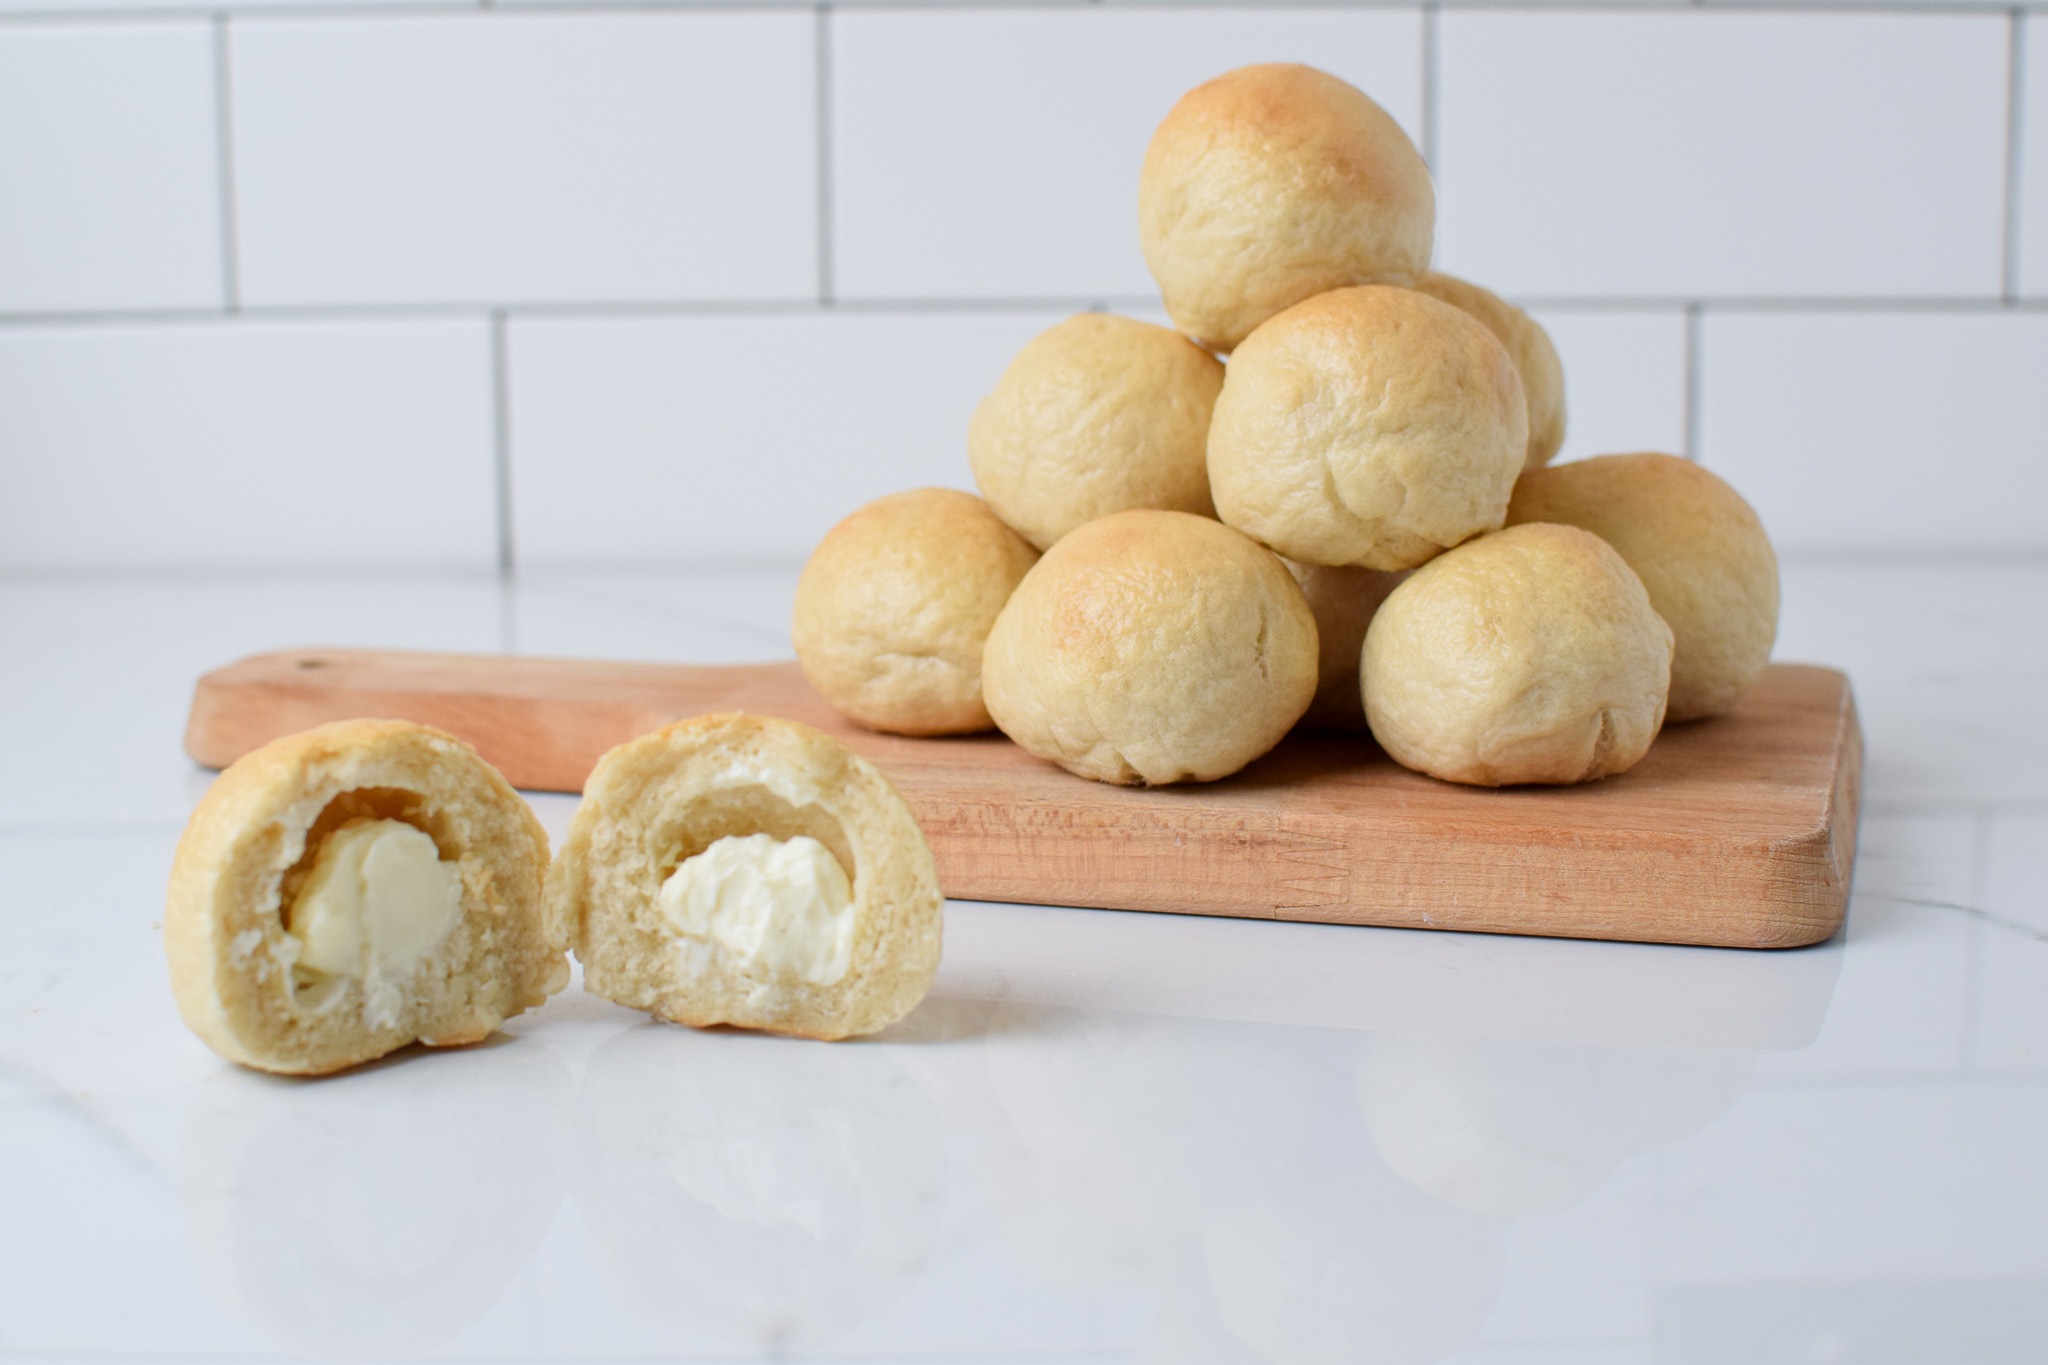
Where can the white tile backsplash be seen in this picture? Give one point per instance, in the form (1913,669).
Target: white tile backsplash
(109,189)
(1746,154)
(531,157)
(995,154)
(659,201)
(672,440)
(1914,432)
(1624,380)
(246,444)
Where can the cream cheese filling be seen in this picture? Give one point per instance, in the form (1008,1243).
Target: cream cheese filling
(779,908)
(378,900)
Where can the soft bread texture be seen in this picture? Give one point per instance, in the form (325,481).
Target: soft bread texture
(1528,345)
(669,795)
(1370,426)
(1271,184)
(1528,655)
(1700,551)
(1343,601)
(1152,647)
(256,834)
(895,604)
(1098,414)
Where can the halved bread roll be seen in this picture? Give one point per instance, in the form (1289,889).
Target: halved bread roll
(342,892)
(737,869)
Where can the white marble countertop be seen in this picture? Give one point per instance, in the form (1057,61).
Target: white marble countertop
(1105,1137)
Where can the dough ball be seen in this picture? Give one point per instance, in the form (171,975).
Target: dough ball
(1700,551)
(344,891)
(737,869)
(1271,184)
(1152,647)
(1536,362)
(1369,426)
(1096,415)
(1529,655)
(895,604)
(1343,600)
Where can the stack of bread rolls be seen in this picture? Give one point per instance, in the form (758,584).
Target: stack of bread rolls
(1323,496)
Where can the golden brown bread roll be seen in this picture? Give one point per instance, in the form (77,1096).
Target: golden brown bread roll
(1096,415)
(1700,551)
(1370,426)
(1271,184)
(1343,601)
(1528,345)
(342,892)
(1527,655)
(1152,647)
(737,869)
(895,604)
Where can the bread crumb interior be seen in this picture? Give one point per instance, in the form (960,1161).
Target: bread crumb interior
(752,809)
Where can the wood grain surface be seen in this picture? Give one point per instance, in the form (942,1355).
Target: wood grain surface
(1734,832)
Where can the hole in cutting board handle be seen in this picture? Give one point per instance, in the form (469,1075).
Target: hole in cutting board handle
(313,663)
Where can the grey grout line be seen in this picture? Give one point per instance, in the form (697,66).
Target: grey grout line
(224,152)
(501,444)
(1432,66)
(823,42)
(1694,364)
(2015,166)
(620,308)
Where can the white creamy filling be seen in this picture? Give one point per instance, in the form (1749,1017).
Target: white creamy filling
(777,907)
(378,900)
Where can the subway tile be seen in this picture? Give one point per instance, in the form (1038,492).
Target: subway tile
(995,154)
(672,440)
(108,169)
(1860,1182)
(1624,380)
(247,443)
(1698,154)
(528,157)
(2033,186)
(1880,432)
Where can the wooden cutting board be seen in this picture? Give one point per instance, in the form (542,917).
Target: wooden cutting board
(1733,832)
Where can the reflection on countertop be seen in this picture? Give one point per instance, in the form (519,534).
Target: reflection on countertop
(1284,1190)
(771,1191)
(1105,1137)
(375,1215)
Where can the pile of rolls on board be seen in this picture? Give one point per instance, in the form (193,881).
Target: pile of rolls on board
(1351,522)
